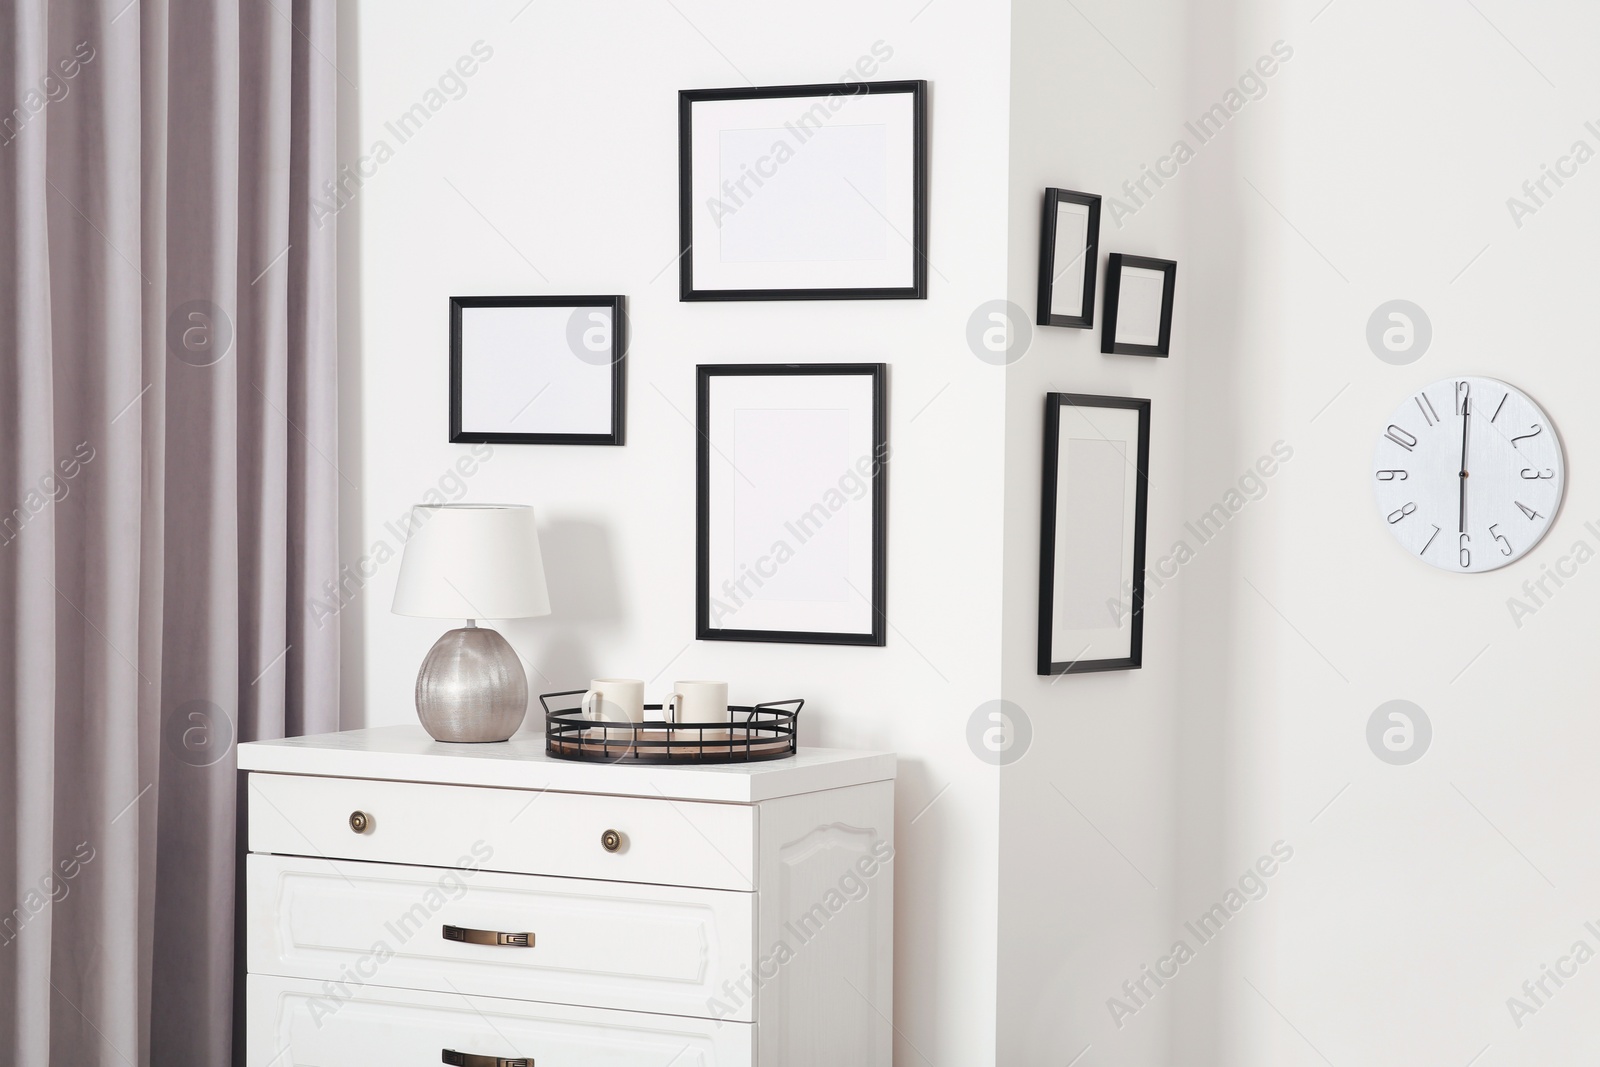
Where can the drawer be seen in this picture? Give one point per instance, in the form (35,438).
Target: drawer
(603,944)
(665,842)
(296,1022)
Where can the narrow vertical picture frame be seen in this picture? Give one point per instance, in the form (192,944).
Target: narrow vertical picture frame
(1138,315)
(791,502)
(1069,241)
(538,370)
(1092,533)
(803,192)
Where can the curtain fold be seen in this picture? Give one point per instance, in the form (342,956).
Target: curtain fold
(168,497)
(27,666)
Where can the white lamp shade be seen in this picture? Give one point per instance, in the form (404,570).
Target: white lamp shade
(472,561)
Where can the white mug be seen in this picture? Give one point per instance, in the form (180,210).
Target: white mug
(695,702)
(614,700)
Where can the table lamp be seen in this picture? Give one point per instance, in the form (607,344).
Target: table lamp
(472,561)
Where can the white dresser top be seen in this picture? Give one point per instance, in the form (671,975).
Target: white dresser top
(407,753)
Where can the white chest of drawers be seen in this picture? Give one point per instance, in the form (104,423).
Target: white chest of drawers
(411,903)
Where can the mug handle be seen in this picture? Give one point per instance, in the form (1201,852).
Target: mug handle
(669,706)
(591,704)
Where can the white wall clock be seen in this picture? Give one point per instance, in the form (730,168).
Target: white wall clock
(1469,474)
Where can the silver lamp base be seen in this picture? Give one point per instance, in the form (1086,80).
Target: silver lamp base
(472,687)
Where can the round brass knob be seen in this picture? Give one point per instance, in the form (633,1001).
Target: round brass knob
(360,822)
(611,841)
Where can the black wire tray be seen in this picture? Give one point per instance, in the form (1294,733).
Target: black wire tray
(752,734)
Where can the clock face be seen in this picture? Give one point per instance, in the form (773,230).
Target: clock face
(1469,474)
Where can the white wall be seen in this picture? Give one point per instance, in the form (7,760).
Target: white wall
(1418,898)
(1375,164)
(1415,905)
(556,172)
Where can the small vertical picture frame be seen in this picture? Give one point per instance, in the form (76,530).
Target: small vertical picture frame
(1092,533)
(1138,318)
(1069,240)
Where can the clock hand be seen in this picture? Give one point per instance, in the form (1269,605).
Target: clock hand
(1466,409)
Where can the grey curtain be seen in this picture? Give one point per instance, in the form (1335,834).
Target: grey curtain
(168,497)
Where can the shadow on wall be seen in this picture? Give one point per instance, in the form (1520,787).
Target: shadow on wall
(353,619)
(580,565)
(1207,727)
(581,570)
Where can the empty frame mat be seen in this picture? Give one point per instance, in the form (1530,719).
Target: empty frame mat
(791,503)
(802,192)
(536,370)
(1091,595)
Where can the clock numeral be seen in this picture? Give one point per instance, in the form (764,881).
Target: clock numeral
(1466,553)
(1505,549)
(1463,395)
(1537,430)
(1402,437)
(1499,406)
(1430,541)
(1425,405)
(1393,476)
(1400,513)
(1526,510)
(1530,474)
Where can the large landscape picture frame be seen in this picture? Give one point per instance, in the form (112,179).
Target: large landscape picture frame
(1092,533)
(791,501)
(803,192)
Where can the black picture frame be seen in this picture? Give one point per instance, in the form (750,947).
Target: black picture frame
(1049,256)
(705,627)
(1115,263)
(687,101)
(617,358)
(1050,515)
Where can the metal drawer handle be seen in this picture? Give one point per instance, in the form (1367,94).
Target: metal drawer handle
(467,1059)
(360,822)
(611,841)
(468,936)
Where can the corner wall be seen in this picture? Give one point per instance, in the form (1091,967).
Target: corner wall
(1090,815)
(1407,905)
(1420,897)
